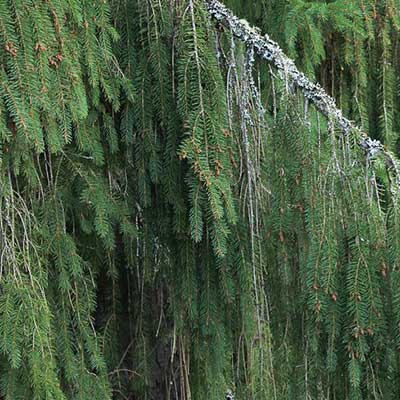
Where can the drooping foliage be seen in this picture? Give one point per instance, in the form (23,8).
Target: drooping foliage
(177,222)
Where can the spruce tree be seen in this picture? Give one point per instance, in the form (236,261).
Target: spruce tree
(180,219)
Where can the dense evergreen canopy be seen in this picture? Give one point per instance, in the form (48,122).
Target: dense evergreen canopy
(179,221)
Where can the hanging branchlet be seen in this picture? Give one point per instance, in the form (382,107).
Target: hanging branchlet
(249,66)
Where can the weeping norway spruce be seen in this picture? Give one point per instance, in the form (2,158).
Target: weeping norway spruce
(186,215)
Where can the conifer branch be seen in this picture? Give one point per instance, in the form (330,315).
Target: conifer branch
(271,52)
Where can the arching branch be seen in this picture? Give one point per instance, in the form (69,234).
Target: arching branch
(271,52)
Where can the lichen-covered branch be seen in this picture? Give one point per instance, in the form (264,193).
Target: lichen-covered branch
(271,52)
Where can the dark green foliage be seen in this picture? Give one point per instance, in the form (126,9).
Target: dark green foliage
(175,221)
